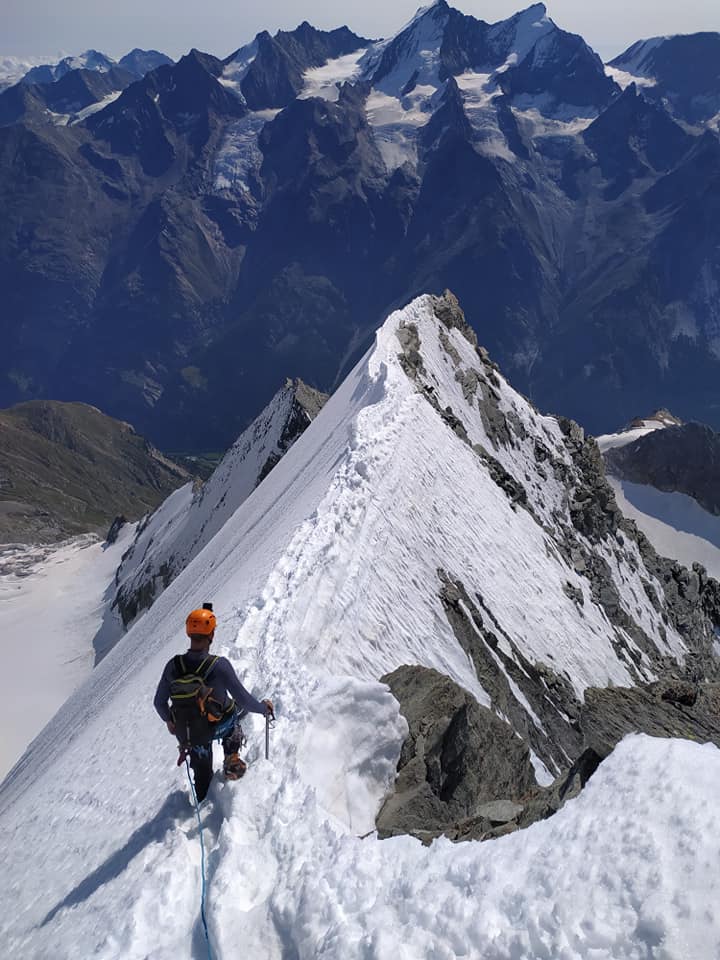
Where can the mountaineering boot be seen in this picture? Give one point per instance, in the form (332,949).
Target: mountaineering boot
(234,767)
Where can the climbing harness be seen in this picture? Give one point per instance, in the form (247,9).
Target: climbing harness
(202,861)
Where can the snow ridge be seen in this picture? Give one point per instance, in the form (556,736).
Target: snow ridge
(188,520)
(324,577)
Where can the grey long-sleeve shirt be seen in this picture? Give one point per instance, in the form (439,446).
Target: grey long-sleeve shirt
(223,680)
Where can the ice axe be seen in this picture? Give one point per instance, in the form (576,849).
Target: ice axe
(269,718)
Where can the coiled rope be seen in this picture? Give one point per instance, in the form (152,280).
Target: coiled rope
(202,861)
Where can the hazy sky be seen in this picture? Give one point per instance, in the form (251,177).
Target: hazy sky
(42,27)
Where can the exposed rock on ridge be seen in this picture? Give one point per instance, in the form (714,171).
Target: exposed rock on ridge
(465,775)
(610,570)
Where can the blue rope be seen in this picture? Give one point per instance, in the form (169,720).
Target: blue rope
(202,861)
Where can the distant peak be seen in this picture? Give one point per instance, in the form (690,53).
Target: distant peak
(660,418)
(537,13)
(431,9)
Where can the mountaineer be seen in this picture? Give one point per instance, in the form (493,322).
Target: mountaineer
(201,699)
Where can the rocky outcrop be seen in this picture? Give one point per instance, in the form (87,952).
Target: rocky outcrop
(464,774)
(459,761)
(539,704)
(306,404)
(115,528)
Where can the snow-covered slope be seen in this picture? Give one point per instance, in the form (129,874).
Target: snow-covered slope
(54,606)
(674,523)
(188,520)
(324,578)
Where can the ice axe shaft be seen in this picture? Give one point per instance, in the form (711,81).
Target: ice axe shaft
(267,736)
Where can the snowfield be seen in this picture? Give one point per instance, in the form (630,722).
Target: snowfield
(53,604)
(324,578)
(675,524)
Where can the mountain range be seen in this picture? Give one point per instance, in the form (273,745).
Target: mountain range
(238,221)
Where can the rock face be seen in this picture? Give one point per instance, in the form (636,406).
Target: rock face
(69,469)
(459,760)
(277,73)
(667,709)
(634,138)
(464,774)
(678,459)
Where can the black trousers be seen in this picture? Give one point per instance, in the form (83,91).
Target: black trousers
(201,758)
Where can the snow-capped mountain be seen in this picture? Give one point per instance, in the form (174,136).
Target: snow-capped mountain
(13,69)
(424,471)
(89,60)
(261,214)
(137,62)
(186,522)
(71,99)
(526,57)
(72,90)
(665,477)
(271,71)
(680,71)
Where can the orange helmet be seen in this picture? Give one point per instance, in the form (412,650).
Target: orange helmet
(200,623)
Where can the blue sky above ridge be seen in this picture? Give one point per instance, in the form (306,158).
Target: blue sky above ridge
(46,28)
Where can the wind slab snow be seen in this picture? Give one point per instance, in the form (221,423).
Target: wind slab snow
(324,579)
